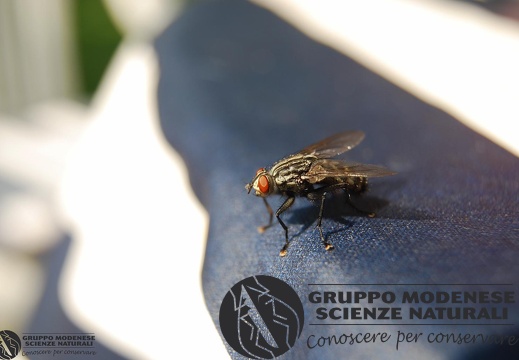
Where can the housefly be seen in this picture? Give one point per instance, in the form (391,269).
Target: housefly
(312,173)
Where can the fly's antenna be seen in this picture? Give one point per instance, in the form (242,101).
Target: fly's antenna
(249,185)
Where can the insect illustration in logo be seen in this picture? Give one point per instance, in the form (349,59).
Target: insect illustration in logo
(312,173)
(261,317)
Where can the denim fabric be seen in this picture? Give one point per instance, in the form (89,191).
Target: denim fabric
(239,89)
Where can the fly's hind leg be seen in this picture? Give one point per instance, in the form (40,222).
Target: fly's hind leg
(364,212)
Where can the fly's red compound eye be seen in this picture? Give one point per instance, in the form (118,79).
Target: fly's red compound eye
(263,184)
(260,170)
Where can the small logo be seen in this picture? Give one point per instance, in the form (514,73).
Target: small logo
(10,344)
(261,317)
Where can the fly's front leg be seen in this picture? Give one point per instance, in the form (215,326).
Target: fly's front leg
(284,207)
(261,229)
(327,245)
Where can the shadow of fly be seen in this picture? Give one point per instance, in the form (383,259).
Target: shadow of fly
(312,173)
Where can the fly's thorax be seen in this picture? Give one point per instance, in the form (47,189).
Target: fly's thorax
(287,172)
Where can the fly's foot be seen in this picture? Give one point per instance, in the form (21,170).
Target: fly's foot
(371,214)
(328,246)
(261,229)
(284,251)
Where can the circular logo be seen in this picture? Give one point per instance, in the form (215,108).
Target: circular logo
(10,344)
(261,317)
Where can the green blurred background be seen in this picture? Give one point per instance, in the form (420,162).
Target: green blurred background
(97,39)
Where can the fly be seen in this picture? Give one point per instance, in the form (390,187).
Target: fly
(312,173)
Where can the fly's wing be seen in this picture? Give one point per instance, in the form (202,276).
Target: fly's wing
(322,170)
(334,145)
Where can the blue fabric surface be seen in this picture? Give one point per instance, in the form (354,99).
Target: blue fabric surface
(239,89)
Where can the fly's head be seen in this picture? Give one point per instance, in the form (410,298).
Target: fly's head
(262,183)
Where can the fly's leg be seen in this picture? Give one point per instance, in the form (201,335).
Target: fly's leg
(350,202)
(327,245)
(261,229)
(284,207)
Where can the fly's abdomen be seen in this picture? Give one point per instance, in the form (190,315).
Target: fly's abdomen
(358,184)
(354,184)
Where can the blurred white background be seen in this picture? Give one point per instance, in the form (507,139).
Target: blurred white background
(94,164)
